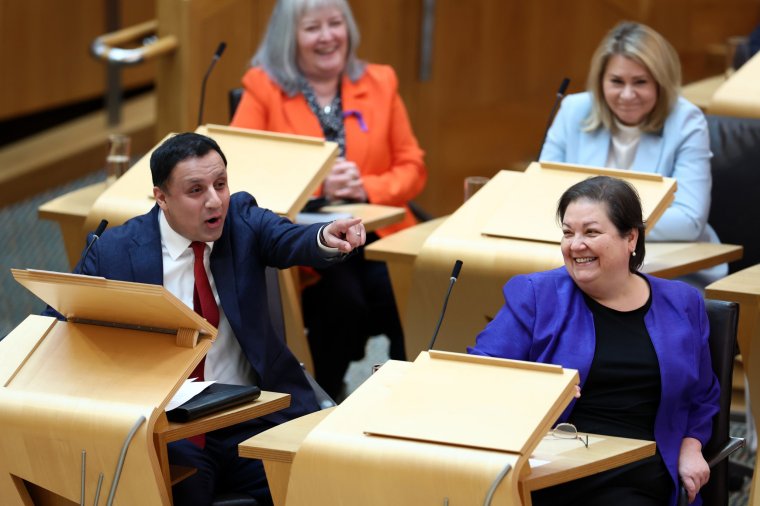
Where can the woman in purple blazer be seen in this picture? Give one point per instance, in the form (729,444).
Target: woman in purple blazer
(638,342)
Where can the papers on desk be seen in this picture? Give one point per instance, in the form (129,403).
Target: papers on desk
(189,389)
(311,218)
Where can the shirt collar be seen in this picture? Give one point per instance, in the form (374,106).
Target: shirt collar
(175,243)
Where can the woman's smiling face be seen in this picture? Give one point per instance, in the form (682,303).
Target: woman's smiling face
(595,252)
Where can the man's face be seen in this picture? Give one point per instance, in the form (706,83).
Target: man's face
(195,197)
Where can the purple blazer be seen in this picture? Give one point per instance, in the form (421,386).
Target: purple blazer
(545,319)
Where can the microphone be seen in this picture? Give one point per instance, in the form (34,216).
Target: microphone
(217,55)
(560,95)
(95,236)
(452,280)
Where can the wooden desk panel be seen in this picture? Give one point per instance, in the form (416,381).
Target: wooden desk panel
(278,447)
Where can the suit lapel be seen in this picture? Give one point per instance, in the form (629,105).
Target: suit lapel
(145,253)
(222,268)
(595,148)
(648,154)
(299,116)
(357,109)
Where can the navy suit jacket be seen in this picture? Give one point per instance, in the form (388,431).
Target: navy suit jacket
(252,239)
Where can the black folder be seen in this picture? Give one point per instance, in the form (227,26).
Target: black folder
(217,397)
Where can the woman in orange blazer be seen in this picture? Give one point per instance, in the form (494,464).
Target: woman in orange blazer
(307,80)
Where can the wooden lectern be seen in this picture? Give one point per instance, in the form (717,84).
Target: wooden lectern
(451,427)
(507,228)
(82,401)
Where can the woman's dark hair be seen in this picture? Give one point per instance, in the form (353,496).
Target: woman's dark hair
(622,203)
(176,149)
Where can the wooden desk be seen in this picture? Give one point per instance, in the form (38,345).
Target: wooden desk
(277,447)
(565,459)
(739,95)
(664,259)
(571,462)
(743,287)
(700,93)
(166,432)
(420,260)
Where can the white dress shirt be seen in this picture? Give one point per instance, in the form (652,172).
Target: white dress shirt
(225,361)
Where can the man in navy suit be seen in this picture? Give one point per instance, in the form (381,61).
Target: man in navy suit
(193,203)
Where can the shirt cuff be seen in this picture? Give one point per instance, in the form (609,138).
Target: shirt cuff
(329,252)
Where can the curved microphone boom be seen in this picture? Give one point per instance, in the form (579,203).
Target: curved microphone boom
(218,54)
(95,236)
(560,95)
(452,280)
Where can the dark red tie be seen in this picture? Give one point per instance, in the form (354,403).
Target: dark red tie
(205,305)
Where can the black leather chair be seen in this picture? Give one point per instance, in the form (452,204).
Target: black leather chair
(735,208)
(723,317)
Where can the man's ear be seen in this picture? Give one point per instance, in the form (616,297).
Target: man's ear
(160,197)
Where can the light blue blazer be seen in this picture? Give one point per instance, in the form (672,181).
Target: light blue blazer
(681,151)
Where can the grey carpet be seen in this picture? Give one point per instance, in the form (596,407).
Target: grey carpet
(30,243)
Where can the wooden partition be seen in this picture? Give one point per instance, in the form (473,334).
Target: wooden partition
(200,25)
(496,67)
(44,47)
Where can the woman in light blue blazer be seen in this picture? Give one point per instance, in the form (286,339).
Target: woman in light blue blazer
(632,118)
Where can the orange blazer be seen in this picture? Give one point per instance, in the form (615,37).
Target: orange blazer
(387,153)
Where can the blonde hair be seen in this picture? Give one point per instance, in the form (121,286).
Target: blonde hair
(648,48)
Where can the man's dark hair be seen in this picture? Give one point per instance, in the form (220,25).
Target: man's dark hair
(622,203)
(176,149)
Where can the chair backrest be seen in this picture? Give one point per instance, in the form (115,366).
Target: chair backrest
(723,317)
(735,145)
(234,96)
(278,324)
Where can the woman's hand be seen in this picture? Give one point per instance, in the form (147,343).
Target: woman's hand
(344,182)
(692,467)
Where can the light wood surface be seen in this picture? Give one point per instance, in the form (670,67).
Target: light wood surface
(743,287)
(281,443)
(281,171)
(164,431)
(373,216)
(674,259)
(339,464)
(521,199)
(562,460)
(700,93)
(513,424)
(43,47)
(78,147)
(420,261)
(110,302)
(69,386)
(739,95)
